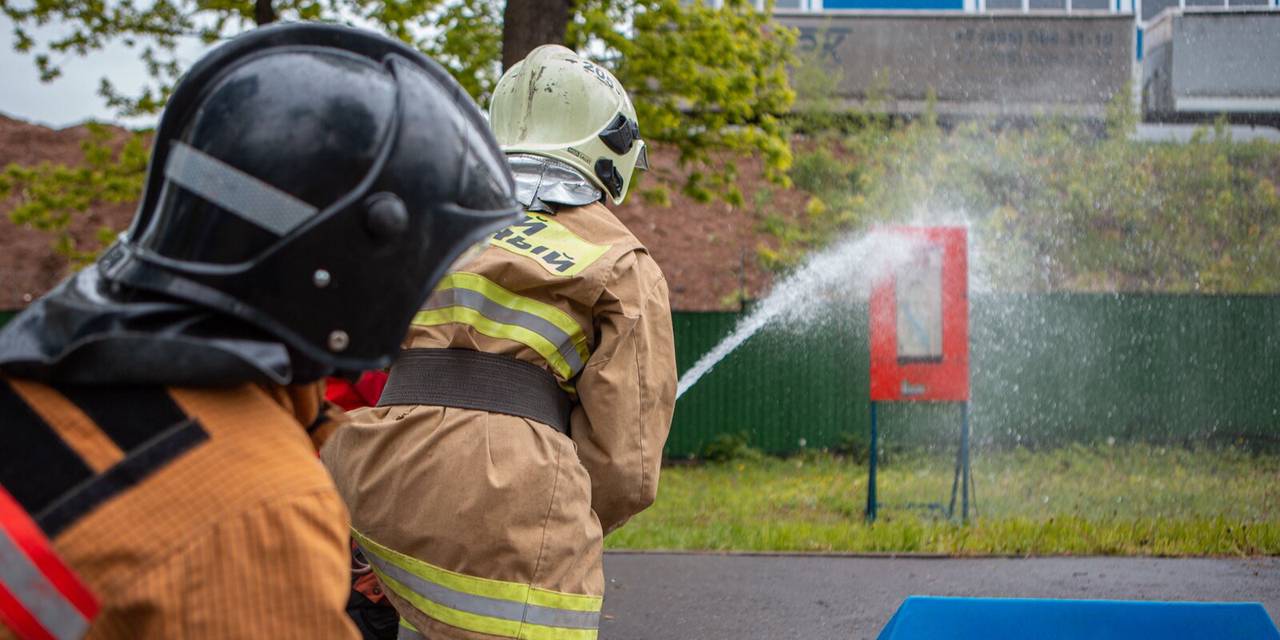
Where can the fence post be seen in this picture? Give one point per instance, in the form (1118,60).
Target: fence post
(871,474)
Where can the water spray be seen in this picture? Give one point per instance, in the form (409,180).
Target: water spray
(845,271)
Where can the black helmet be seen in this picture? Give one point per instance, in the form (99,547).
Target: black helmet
(315,181)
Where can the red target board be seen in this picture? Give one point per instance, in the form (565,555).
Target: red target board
(919,317)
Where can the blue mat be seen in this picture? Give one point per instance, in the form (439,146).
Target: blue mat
(932,618)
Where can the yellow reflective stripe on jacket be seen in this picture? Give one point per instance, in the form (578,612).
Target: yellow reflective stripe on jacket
(498,294)
(493,329)
(484,605)
(549,244)
(474,300)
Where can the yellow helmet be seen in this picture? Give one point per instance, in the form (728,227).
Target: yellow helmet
(556,104)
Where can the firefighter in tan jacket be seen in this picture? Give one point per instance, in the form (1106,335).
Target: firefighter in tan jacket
(526,417)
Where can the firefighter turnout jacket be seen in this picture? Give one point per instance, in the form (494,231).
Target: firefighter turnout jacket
(482,524)
(153,512)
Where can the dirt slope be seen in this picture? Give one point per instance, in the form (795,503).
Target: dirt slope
(28,264)
(702,248)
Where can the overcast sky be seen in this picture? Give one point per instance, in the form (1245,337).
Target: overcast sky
(73,97)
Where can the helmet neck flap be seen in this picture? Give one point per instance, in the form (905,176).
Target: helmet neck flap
(544,184)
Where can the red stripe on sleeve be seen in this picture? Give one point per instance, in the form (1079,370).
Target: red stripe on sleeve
(18,619)
(32,541)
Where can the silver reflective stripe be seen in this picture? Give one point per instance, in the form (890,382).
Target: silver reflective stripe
(492,310)
(564,618)
(235,190)
(37,595)
(408,633)
(490,607)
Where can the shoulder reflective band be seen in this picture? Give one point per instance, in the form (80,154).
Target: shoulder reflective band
(235,190)
(40,597)
(481,605)
(474,300)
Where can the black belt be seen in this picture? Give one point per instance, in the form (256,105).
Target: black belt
(477,380)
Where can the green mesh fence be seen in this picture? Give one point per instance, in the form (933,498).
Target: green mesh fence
(1047,369)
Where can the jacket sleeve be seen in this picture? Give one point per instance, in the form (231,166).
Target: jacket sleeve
(627,391)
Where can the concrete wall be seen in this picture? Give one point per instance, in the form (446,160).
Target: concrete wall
(990,65)
(1211,62)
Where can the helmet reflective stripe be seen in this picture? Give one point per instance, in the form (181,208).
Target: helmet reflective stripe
(235,190)
(558,105)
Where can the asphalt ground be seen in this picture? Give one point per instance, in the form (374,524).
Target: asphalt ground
(651,596)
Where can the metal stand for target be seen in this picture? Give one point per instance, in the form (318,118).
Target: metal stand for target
(962,479)
(963,475)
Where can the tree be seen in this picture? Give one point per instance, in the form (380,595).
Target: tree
(706,80)
(702,79)
(528,24)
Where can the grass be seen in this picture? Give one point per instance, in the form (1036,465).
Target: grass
(1111,500)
